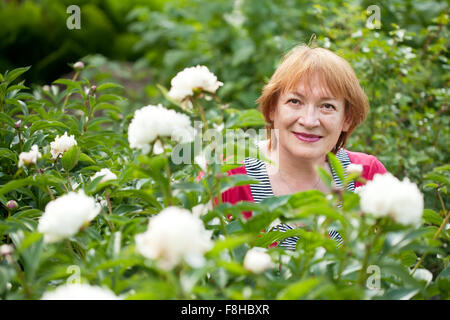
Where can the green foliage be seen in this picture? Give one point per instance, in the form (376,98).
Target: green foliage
(403,68)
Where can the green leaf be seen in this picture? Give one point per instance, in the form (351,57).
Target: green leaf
(70,158)
(325,176)
(108,85)
(11,76)
(432,217)
(109,97)
(8,154)
(189,186)
(85,158)
(275,236)
(336,166)
(16,87)
(229,242)
(69,83)
(43,124)
(16,184)
(249,118)
(232,267)
(29,240)
(298,289)
(4,118)
(400,294)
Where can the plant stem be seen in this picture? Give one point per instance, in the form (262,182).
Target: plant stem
(20,140)
(49,191)
(22,278)
(108,201)
(169,188)
(55,163)
(68,180)
(362,272)
(434,238)
(67,97)
(69,246)
(440,199)
(202,115)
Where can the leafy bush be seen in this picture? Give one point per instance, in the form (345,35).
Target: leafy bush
(380,258)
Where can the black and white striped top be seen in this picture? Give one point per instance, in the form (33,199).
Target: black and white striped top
(256,169)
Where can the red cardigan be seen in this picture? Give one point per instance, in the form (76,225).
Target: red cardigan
(371,166)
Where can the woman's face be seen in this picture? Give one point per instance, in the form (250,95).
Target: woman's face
(309,121)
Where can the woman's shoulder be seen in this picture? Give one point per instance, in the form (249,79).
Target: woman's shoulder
(238,170)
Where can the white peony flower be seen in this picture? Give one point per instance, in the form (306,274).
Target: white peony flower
(6,250)
(61,145)
(385,195)
(80,292)
(184,83)
(106,173)
(201,161)
(175,235)
(358,189)
(423,274)
(151,121)
(257,260)
(354,168)
(30,157)
(158,147)
(65,216)
(202,209)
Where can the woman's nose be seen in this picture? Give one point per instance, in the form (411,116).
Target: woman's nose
(309,116)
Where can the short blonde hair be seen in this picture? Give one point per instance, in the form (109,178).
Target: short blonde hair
(335,73)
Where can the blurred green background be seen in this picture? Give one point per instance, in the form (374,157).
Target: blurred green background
(403,65)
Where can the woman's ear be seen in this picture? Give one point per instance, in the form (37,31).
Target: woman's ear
(272,113)
(347,123)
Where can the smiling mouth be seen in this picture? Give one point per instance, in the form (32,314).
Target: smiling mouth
(307,137)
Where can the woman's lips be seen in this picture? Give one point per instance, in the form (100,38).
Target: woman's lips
(307,137)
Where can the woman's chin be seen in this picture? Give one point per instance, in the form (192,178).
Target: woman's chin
(308,153)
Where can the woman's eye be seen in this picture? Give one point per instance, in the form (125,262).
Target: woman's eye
(328,106)
(294,101)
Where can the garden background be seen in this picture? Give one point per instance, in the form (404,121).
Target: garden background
(130,52)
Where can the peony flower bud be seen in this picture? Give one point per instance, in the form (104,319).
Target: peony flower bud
(92,90)
(355,168)
(31,157)
(192,81)
(257,260)
(12,204)
(61,145)
(78,66)
(106,174)
(6,250)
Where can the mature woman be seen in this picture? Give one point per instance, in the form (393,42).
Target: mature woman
(311,105)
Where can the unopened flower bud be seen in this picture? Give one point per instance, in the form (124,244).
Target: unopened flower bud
(17,124)
(12,204)
(355,168)
(92,90)
(78,66)
(6,250)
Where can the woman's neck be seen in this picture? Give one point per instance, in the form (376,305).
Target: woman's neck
(297,174)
